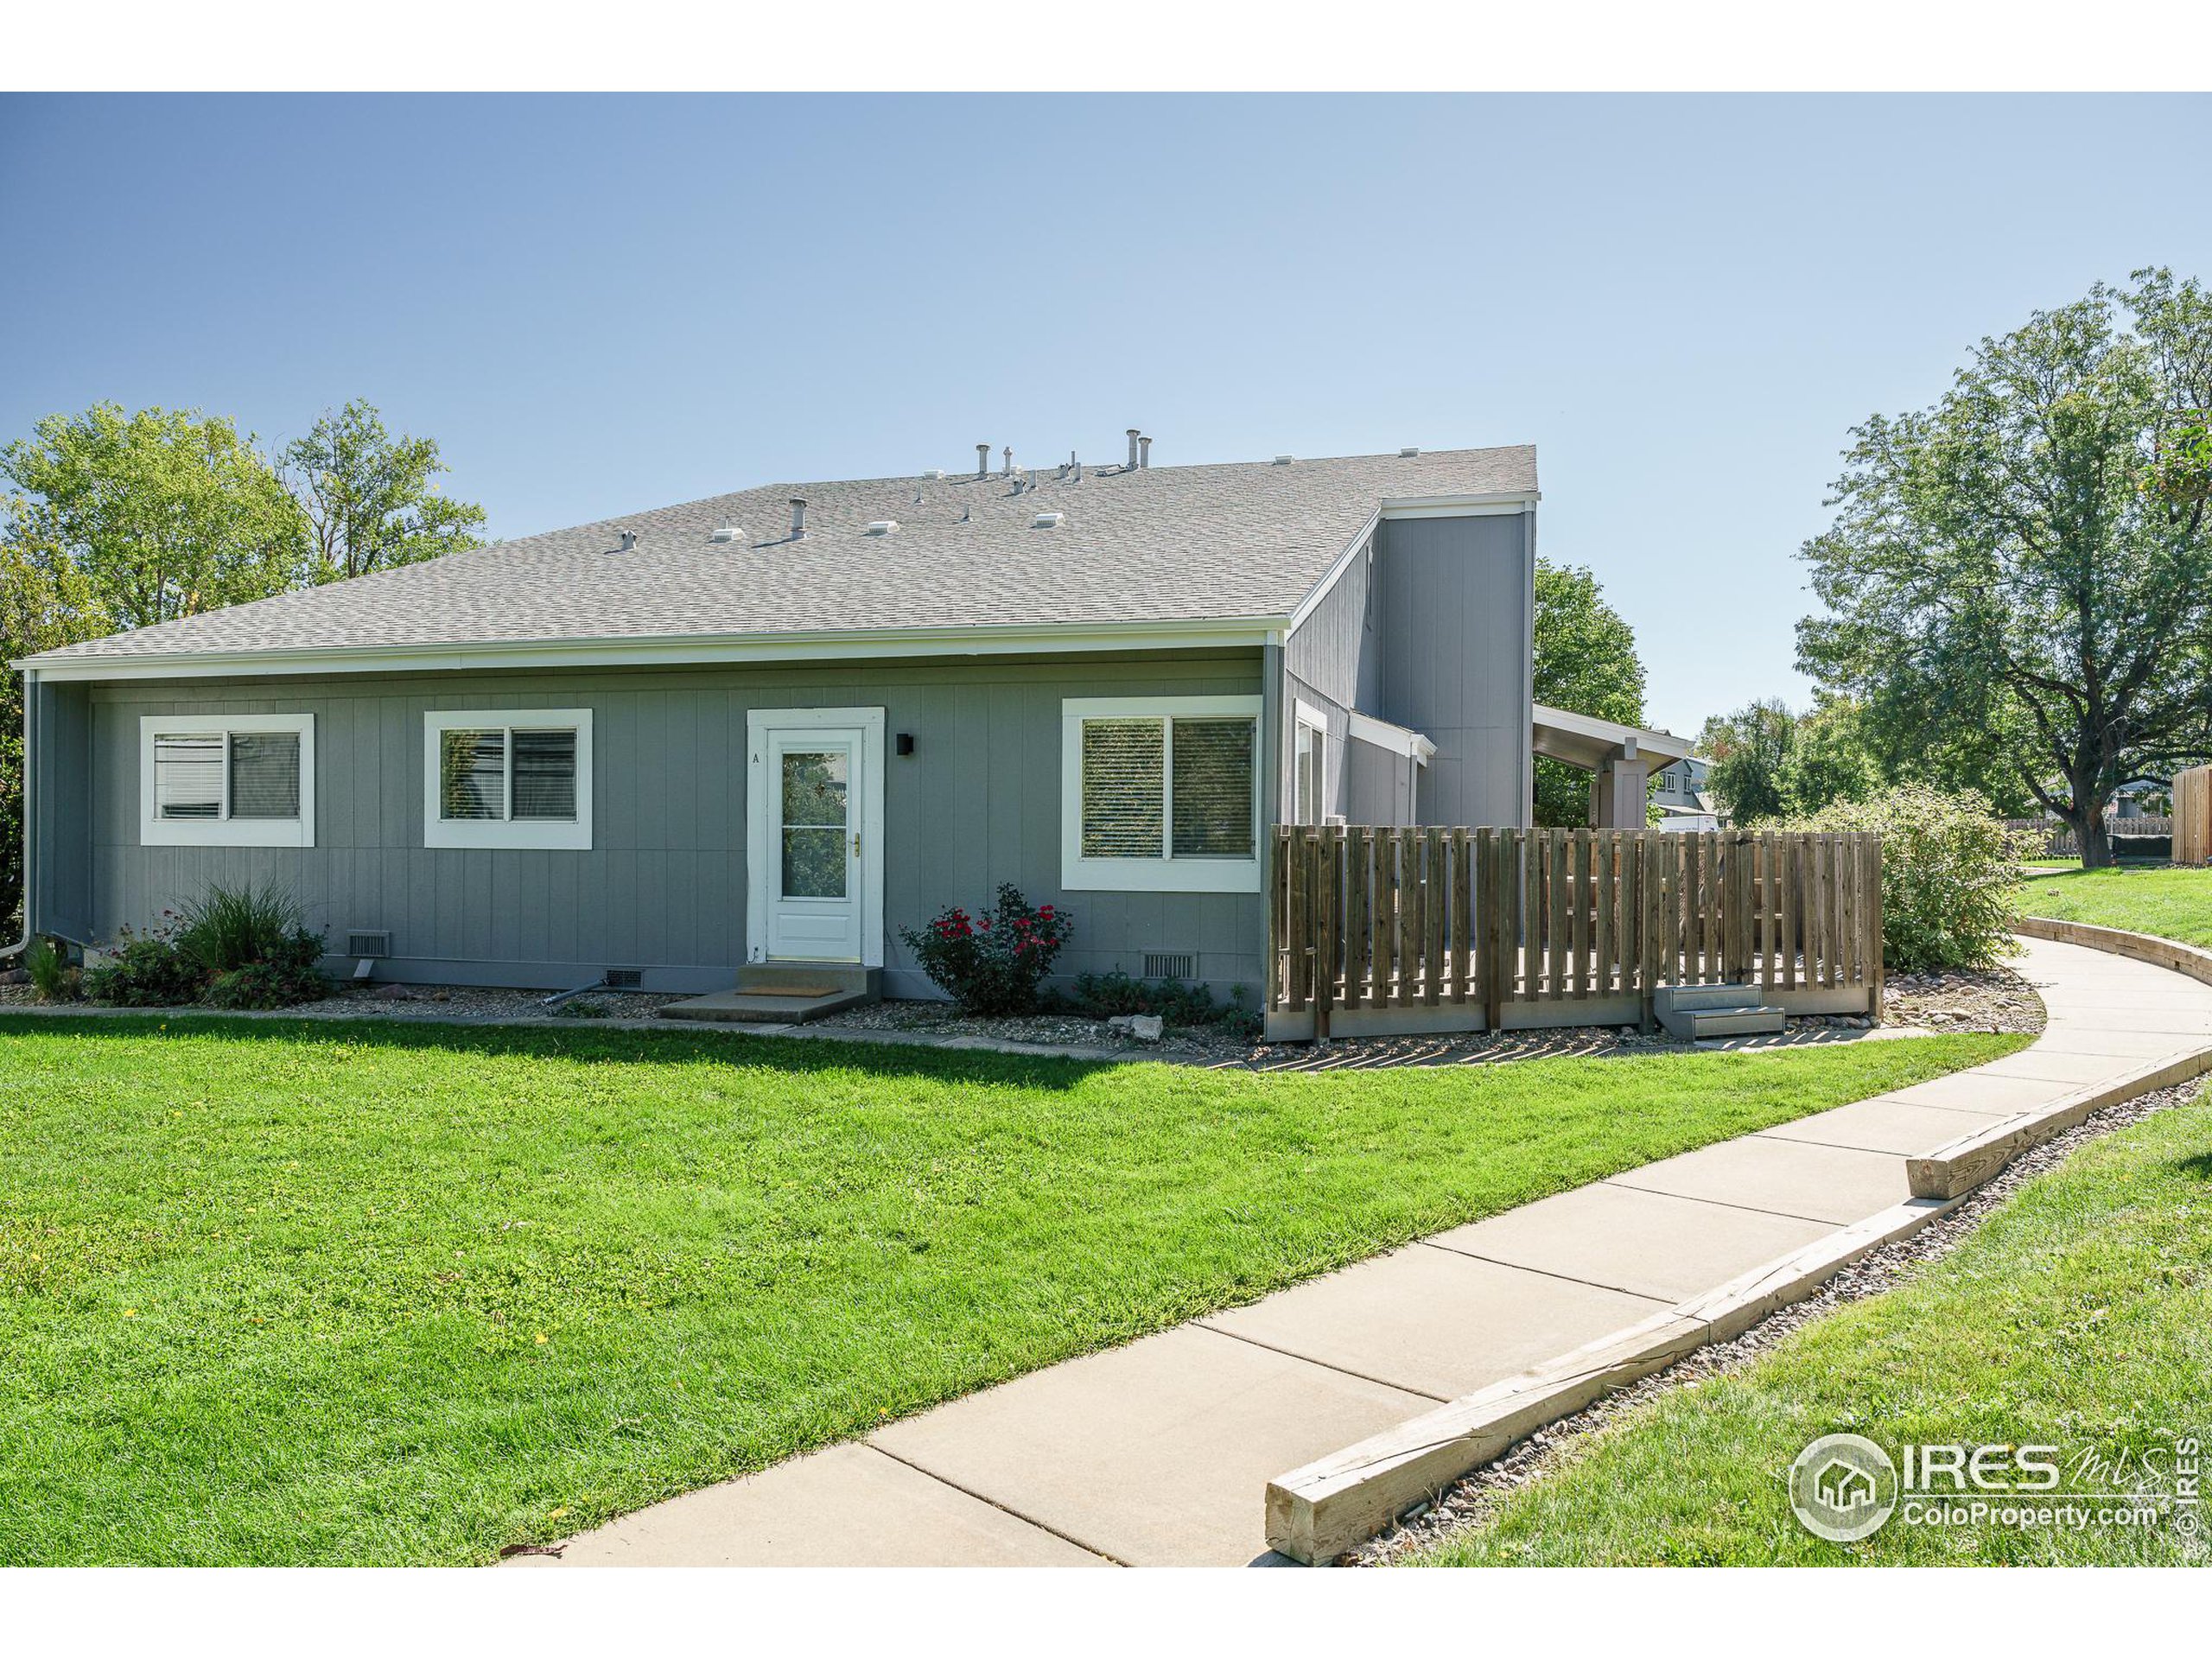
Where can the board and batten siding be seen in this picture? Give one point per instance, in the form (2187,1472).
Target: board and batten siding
(663,887)
(1432,630)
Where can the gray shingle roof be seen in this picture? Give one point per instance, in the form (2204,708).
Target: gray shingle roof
(1245,540)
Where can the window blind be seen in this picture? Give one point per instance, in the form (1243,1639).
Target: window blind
(472,775)
(188,776)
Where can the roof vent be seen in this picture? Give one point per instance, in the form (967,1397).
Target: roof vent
(1134,436)
(728,533)
(1144,451)
(1284,461)
(1046,521)
(798,517)
(1409,451)
(882,526)
(983,461)
(932,471)
(629,540)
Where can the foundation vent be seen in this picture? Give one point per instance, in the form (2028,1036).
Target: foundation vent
(1170,964)
(368,942)
(624,979)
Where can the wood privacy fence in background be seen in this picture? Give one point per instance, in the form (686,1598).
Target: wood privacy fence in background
(2057,839)
(1378,930)
(2193,815)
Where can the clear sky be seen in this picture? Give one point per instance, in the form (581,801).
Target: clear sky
(601,305)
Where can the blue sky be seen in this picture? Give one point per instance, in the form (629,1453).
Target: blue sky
(599,305)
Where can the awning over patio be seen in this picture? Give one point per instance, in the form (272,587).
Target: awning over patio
(1619,758)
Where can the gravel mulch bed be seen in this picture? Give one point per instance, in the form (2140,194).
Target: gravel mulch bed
(445,1002)
(1993,999)
(1198,1045)
(1470,1502)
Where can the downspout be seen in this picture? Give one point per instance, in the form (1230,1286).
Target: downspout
(30,838)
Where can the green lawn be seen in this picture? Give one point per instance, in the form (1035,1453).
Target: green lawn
(2080,1316)
(2174,904)
(283,1292)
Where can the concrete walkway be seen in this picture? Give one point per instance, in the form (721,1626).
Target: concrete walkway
(1159,1453)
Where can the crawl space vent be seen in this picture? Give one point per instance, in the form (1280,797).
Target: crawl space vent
(368,942)
(1170,964)
(624,979)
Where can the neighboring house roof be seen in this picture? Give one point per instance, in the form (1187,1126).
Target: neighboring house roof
(1586,742)
(1163,545)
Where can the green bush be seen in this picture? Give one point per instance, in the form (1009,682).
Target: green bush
(147,971)
(230,948)
(51,973)
(1949,869)
(1103,995)
(264,985)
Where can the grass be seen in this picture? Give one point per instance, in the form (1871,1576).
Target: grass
(277,1292)
(2173,902)
(2080,1315)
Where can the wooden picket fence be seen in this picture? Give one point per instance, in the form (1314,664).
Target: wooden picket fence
(1375,929)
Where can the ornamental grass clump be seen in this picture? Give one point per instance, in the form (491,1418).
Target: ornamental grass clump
(1949,873)
(994,964)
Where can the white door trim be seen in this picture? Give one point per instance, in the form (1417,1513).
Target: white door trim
(759,861)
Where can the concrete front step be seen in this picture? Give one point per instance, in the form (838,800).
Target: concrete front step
(764,1007)
(789,978)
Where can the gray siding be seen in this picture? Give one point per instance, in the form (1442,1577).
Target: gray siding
(61,743)
(1334,661)
(1431,632)
(663,887)
(1456,614)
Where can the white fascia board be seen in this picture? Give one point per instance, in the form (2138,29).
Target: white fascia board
(1398,740)
(1459,506)
(683,651)
(1334,574)
(1613,734)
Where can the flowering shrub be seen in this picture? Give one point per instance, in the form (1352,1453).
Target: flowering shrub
(991,965)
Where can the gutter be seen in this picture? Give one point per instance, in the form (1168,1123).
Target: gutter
(670,651)
(30,836)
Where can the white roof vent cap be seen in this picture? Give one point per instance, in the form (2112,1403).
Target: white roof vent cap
(932,471)
(882,526)
(728,533)
(1046,521)
(1284,461)
(1409,451)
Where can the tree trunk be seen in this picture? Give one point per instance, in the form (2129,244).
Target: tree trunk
(2089,832)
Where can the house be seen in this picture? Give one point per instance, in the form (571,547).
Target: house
(780,726)
(1682,792)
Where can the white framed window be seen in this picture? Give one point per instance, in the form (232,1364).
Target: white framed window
(1159,794)
(226,781)
(515,778)
(1309,764)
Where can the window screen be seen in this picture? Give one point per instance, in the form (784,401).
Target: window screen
(1213,789)
(472,775)
(265,774)
(1124,779)
(545,775)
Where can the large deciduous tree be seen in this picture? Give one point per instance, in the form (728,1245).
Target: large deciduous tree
(372,500)
(1751,751)
(1587,663)
(2024,571)
(164,513)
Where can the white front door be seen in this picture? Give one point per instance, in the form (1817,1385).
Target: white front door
(816,780)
